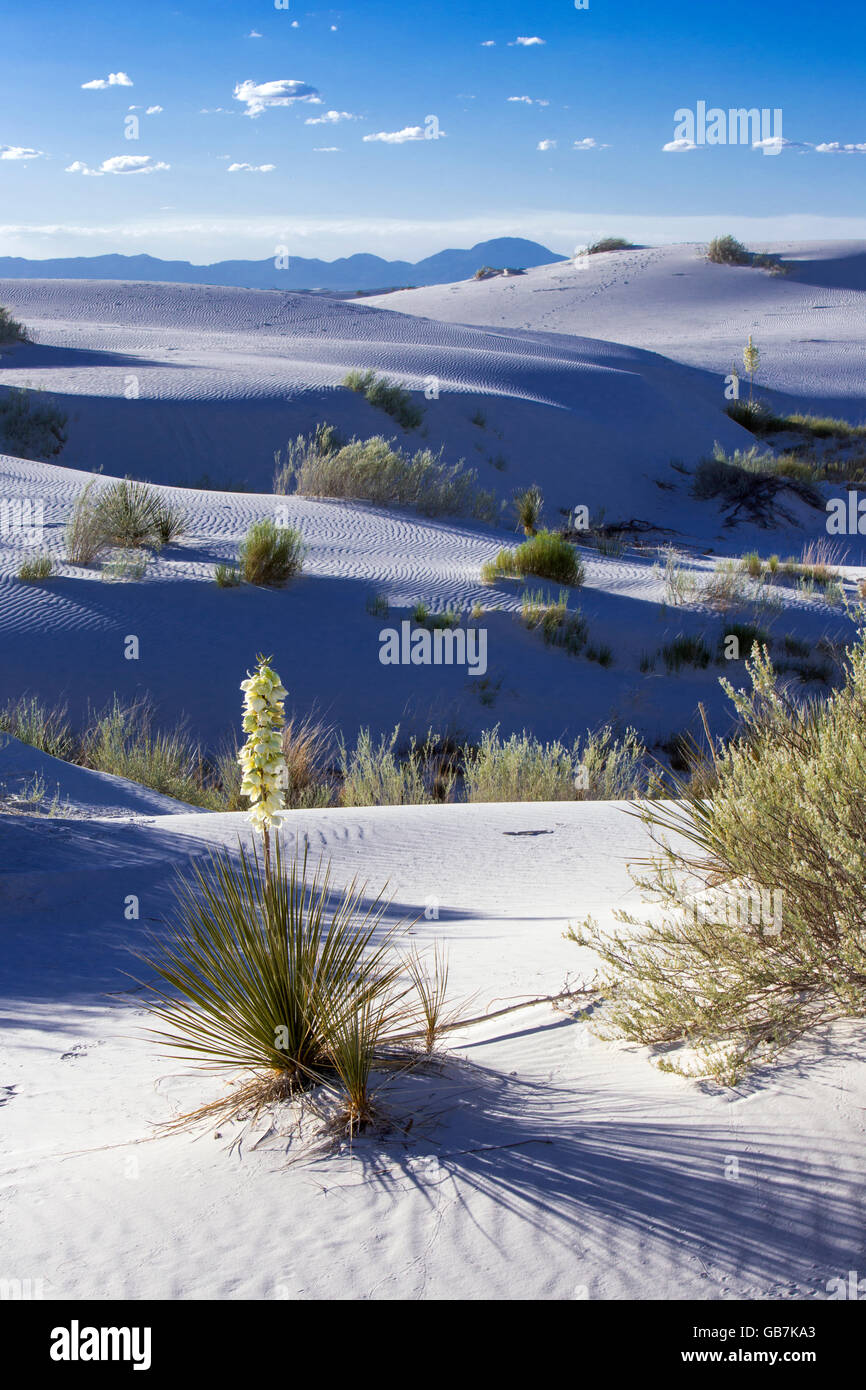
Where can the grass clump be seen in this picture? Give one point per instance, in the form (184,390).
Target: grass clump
(270,554)
(30,426)
(36,568)
(130,514)
(772,943)
(227,576)
(387,396)
(686,650)
(446,618)
(377,470)
(83,533)
(558,627)
(377,775)
(32,722)
(545,555)
(748,483)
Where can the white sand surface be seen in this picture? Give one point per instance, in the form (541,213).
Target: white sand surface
(541,1162)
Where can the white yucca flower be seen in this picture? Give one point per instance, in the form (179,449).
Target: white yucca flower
(265,774)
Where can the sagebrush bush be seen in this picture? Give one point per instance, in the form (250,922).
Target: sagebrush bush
(599,767)
(762,933)
(376,470)
(545,555)
(270,554)
(726,250)
(377,775)
(387,396)
(11,331)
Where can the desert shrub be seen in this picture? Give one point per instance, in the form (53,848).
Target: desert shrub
(609,243)
(11,331)
(387,396)
(29,720)
(599,767)
(270,554)
(227,576)
(376,470)
(307,746)
(30,426)
(527,507)
(680,586)
(750,482)
(127,513)
(445,618)
(36,568)
(170,521)
(122,565)
(726,250)
(762,936)
(726,587)
(83,533)
(545,555)
(685,650)
(122,740)
(378,775)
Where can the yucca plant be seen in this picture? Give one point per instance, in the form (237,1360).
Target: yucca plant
(265,971)
(128,513)
(431,986)
(170,521)
(528,506)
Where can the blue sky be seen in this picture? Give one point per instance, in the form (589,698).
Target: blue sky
(560,137)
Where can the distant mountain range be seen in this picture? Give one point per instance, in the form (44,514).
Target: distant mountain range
(360,272)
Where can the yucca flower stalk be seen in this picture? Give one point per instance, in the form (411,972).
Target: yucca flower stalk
(262,761)
(751,362)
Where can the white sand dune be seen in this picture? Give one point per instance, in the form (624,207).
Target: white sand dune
(809,324)
(541,1163)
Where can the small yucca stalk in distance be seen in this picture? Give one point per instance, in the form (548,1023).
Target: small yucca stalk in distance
(261,758)
(751,362)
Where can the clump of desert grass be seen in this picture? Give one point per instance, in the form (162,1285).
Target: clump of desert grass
(378,470)
(387,396)
(559,626)
(227,576)
(598,767)
(761,936)
(127,515)
(545,555)
(36,568)
(379,773)
(269,554)
(609,243)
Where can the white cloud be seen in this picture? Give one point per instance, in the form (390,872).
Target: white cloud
(833,147)
(254,34)
(251,168)
(326,149)
(114,79)
(488,43)
(530,101)
(295,24)
(398,137)
(333,28)
(679,146)
(527,43)
(257,96)
(527,100)
(119,164)
(19,152)
(216,111)
(153,111)
(331,118)
(586,144)
(546,145)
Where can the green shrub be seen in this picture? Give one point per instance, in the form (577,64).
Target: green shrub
(170,522)
(545,555)
(559,627)
(598,767)
(30,721)
(122,740)
(227,576)
(36,568)
(762,935)
(609,243)
(446,618)
(375,775)
(127,514)
(11,331)
(376,470)
(31,429)
(270,554)
(384,395)
(726,250)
